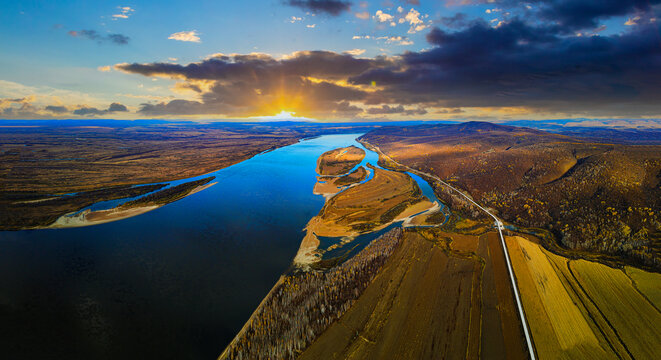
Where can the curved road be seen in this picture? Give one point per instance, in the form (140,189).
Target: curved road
(498,224)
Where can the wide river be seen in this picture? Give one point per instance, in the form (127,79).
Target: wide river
(174,283)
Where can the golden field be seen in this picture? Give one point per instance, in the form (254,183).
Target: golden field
(577,309)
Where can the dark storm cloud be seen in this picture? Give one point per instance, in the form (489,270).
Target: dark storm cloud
(330,7)
(87,111)
(572,15)
(117,39)
(575,14)
(117,107)
(456,21)
(245,84)
(175,107)
(517,64)
(324,64)
(386,109)
(84,111)
(56,109)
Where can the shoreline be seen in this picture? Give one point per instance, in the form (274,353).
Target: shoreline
(90,218)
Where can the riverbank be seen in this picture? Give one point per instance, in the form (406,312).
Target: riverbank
(127,210)
(301,306)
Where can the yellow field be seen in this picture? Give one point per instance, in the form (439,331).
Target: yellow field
(637,322)
(649,284)
(579,309)
(558,326)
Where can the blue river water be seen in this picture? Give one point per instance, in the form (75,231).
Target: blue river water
(174,283)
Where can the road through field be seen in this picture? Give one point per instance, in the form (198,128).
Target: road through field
(499,225)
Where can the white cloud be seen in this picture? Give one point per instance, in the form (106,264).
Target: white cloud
(124,12)
(294,19)
(355,52)
(398,40)
(498,22)
(413,18)
(191,36)
(310,26)
(104,68)
(357,37)
(400,9)
(382,17)
(632,21)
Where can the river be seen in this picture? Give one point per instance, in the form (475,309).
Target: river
(174,283)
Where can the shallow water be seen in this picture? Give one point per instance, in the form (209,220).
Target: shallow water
(174,283)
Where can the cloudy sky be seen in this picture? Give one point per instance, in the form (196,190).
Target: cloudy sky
(331,60)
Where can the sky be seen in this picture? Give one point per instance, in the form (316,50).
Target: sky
(331,60)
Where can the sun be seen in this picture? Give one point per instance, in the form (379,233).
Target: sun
(282,116)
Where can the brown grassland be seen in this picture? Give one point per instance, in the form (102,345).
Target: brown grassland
(376,202)
(439,296)
(339,161)
(42,164)
(57,160)
(327,185)
(597,196)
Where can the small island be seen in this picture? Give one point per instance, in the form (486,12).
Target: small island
(339,161)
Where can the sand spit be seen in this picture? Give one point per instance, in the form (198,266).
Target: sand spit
(37,200)
(88,217)
(418,218)
(328,186)
(200,188)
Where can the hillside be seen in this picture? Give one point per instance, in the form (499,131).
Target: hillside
(593,196)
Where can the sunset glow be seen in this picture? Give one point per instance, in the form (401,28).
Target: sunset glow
(330,60)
